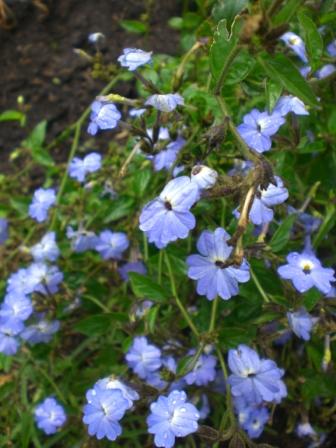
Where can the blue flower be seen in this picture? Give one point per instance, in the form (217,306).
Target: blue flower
(295,43)
(309,222)
(45,278)
(331,48)
(165,103)
(9,343)
(254,379)
(143,358)
(213,278)
(103,116)
(3,230)
(111,244)
(290,103)
(104,410)
(136,112)
(40,331)
(81,240)
(95,38)
(305,271)
(155,379)
(305,429)
(134,58)
(251,417)
(136,266)
(301,323)
(43,199)
(325,71)
(203,372)
(46,249)
(129,394)
(172,417)
(165,158)
(49,416)
(258,127)
(167,217)
(260,212)
(21,282)
(79,168)
(204,176)
(14,310)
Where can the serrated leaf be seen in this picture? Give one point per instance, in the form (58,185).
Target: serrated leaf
(282,70)
(224,45)
(312,38)
(282,234)
(228,9)
(144,287)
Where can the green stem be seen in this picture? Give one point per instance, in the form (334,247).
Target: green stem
(259,287)
(213,314)
(178,301)
(225,69)
(145,244)
(160,267)
(228,390)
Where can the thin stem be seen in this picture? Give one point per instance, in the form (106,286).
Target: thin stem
(178,301)
(310,196)
(160,267)
(129,159)
(259,287)
(228,390)
(180,69)
(145,244)
(273,7)
(225,69)
(213,314)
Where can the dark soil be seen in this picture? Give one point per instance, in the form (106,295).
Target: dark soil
(38,62)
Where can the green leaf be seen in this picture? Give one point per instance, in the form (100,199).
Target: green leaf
(176,23)
(282,234)
(42,157)
(141,181)
(327,224)
(310,298)
(228,9)
(224,45)
(240,68)
(312,38)
(95,325)
(37,136)
(12,115)
(134,26)
(287,12)
(273,92)
(119,209)
(144,287)
(282,70)
(230,337)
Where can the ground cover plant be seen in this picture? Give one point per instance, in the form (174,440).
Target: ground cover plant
(169,281)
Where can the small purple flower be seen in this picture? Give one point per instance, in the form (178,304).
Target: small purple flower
(172,417)
(45,278)
(155,380)
(254,379)
(40,331)
(128,393)
(79,168)
(49,416)
(43,199)
(111,244)
(305,429)
(331,48)
(3,230)
(301,323)
(258,127)
(165,158)
(136,112)
(167,217)
(213,278)
(309,222)
(81,240)
(21,282)
(104,408)
(14,310)
(260,212)
(290,103)
(305,271)
(132,58)
(204,176)
(136,266)
(325,71)
(203,372)
(165,103)
(295,43)
(143,358)
(305,71)
(103,116)
(9,343)
(46,249)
